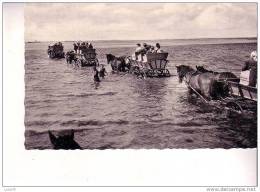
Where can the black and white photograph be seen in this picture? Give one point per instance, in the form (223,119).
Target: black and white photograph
(141,76)
(129,94)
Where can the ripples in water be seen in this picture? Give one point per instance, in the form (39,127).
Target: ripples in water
(127,112)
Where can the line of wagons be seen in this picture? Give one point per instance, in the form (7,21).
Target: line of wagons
(241,97)
(154,66)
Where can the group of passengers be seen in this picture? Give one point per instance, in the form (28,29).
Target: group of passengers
(141,51)
(55,46)
(79,46)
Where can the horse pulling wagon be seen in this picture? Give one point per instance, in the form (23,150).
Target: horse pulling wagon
(86,58)
(55,51)
(154,66)
(235,98)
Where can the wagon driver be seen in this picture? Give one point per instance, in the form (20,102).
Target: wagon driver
(251,65)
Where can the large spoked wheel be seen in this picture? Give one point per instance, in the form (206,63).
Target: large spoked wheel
(136,70)
(233,109)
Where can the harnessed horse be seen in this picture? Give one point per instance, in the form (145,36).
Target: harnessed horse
(205,84)
(118,63)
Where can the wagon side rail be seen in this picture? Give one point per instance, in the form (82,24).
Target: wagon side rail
(243,91)
(157,60)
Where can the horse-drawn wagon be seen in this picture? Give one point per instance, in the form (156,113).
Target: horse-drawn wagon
(86,58)
(153,65)
(55,51)
(220,90)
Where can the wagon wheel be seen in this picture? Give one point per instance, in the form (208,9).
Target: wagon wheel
(233,109)
(136,71)
(160,73)
(150,73)
(132,69)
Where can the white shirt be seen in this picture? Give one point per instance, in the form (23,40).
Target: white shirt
(158,50)
(138,49)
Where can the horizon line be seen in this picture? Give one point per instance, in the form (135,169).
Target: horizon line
(145,39)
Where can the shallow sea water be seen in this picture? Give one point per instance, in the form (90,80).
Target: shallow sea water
(128,112)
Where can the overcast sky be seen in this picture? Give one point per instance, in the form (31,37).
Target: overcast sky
(115,21)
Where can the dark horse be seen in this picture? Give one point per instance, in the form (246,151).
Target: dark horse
(71,56)
(64,142)
(118,63)
(205,83)
(221,78)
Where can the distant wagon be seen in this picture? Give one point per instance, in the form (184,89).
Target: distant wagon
(56,51)
(86,58)
(153,66)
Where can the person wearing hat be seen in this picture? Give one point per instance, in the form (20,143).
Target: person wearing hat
(138,51)
(146,47)
(158,48)
(138,48)
(75,46)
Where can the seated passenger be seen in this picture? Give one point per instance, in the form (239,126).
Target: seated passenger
(158,48)
(78,45)
(146,47)
(151,50)
(137,53)
(138,48)
(75,47)
(90,46)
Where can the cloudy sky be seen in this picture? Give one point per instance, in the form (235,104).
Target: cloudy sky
(115,21)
